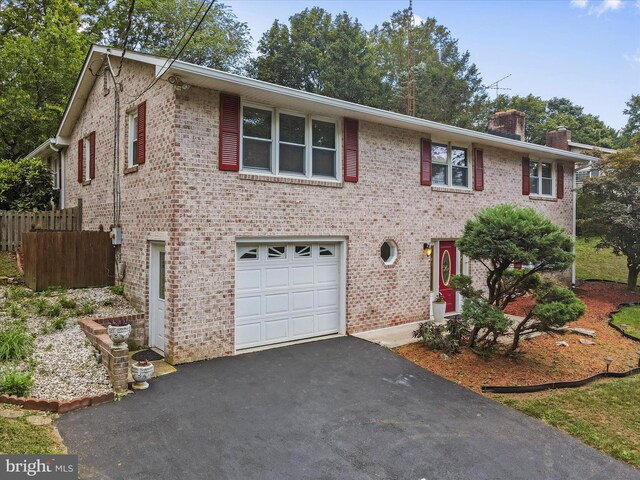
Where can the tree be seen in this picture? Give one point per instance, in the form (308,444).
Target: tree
(496,238)
(320,54)
(25,185)
(631,131)
(610,207)
(542,116)
(448,85)
(41,52)
(221,42)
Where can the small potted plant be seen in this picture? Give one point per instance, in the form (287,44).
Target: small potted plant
(141,371)
(119,331)
(439,308)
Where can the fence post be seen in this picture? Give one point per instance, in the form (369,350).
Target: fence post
(80,214)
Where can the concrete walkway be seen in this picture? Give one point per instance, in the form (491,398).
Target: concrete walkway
(391,337)
(333,409)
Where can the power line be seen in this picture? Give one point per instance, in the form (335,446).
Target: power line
(126,35)
(166,67)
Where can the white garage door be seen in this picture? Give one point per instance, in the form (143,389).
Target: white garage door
(286,292)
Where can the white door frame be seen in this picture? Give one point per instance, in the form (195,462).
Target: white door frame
(341,243)
(155,248)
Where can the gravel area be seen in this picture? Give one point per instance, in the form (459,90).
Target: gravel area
(66,366)
(63,362)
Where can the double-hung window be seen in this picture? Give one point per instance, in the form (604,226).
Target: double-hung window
(288,144)
(450,165)
(55,171)
(541,178)
(132,159)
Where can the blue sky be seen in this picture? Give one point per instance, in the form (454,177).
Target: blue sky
(585,50)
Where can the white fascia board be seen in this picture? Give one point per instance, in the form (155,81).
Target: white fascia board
(41,149)
(207,77)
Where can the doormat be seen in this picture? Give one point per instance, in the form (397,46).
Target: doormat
(148,354)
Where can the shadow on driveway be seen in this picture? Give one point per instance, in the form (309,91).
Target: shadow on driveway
(340,408)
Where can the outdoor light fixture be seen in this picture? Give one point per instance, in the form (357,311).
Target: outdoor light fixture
(427,249)
(608,361)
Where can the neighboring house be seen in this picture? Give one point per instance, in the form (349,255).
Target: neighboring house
(52,157)
(561,138)
(255,214)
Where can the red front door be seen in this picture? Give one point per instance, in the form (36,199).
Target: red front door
(447,266)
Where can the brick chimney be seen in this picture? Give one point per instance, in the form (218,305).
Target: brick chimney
(509,124)
(558,138)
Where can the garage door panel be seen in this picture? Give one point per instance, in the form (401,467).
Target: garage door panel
(276,303)
(249,280)
(248,306)
(276,330)
(302,275)
(328,322)
(276,277)
(328,297)
(250,334)
(327,273)
(288,295)
(302,326)
(303,300)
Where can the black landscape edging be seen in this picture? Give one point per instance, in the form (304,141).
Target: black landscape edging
(611,324)
(556,385)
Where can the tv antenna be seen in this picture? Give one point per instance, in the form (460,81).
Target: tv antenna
(496,86)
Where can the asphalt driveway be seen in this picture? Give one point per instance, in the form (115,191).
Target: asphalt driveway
(340,408)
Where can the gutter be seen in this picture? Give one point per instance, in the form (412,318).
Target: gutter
(575,206)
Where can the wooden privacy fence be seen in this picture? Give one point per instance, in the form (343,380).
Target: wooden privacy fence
(14,224)
(67,259)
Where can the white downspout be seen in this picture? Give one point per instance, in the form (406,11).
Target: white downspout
(574,192)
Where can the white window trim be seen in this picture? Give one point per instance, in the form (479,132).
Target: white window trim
(450,145)
(86,171)
(540,161)
(275,144)
(133,136)
(55,171)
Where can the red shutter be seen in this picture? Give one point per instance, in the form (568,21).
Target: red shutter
(141,134)
(526,186)
(478,170)
(425,162)
(350,150)
(229,158)
(81,160)
(560,181)
(92,155)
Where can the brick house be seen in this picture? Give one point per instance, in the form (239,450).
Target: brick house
(253,214)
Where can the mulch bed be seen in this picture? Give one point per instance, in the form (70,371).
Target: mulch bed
(540,360)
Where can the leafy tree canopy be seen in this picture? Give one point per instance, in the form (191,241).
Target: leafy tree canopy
(609,207)
(542,116)
(25,185)
(631,131)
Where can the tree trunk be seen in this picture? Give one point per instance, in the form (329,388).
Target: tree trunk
(632,277)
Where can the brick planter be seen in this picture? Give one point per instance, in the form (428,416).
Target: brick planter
(116,360)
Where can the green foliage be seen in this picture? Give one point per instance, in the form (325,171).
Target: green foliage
(488,323)
(117,290)
(16,293)
(85,309)
(629,316)
(8,265)
(542,116)
(555,306)
(609,207)
(15,310)
(15,343)
(631,131)
(42,48)
(502,234)
(447,337)
(67,303)
(15,382)
(58,323)
(25,185)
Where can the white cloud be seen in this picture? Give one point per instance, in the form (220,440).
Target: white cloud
(633,59)
(580,3)
(605,6)
(417,20)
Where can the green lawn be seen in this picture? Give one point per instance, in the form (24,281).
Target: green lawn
(17,436)
(631,317)
(600,264)
(604,415)
(8,266)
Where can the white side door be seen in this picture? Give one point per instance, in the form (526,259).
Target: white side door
(156,296)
